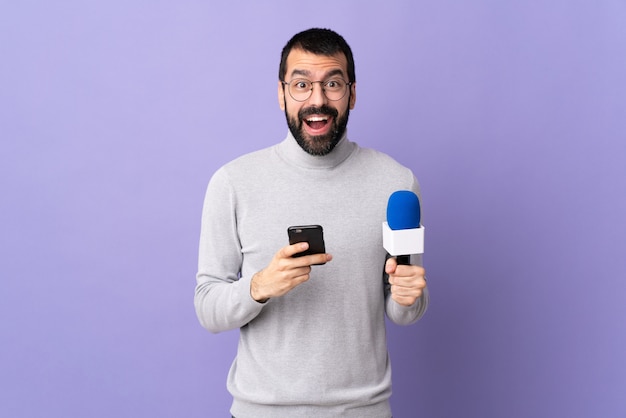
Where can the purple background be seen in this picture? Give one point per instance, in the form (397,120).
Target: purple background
(114,115)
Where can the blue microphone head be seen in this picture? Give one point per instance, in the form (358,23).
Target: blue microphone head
(403,210)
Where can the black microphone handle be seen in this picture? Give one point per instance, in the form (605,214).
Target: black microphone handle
(403,260)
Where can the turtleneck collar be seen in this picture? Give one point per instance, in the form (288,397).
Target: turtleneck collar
(291,152)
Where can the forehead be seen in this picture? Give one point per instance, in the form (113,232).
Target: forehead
(301,62)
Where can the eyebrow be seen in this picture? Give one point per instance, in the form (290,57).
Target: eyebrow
(307,73)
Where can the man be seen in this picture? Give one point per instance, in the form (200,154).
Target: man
(312,337)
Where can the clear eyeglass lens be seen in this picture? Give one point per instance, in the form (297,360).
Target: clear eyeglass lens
(301,89)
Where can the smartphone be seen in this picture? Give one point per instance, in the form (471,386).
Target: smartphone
(313,234)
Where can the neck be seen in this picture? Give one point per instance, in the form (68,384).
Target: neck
(291,151)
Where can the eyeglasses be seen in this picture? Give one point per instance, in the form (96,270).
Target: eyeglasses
(301,89)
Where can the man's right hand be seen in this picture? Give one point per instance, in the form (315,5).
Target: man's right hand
(284,272)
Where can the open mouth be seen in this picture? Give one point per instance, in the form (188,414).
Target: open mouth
(317,122)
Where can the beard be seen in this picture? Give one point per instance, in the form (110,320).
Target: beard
(318,145)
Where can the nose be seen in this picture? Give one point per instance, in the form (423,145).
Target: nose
(318,97)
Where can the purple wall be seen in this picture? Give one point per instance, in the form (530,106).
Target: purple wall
(114,115)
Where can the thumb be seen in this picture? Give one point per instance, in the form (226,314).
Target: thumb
(390,265)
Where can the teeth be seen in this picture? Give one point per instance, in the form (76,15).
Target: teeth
(317,119)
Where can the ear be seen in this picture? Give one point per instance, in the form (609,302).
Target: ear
(281,96)
(352,95)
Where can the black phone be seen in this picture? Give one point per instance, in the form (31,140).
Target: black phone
(313,234)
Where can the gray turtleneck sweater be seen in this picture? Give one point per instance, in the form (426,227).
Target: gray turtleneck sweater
(320,350)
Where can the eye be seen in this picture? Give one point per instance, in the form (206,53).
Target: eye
(301,85)
(334,84)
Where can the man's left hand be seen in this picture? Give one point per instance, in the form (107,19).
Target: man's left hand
(407,281)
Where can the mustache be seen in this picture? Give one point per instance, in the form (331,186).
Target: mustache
(315,110)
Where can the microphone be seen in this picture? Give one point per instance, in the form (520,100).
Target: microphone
(402,233)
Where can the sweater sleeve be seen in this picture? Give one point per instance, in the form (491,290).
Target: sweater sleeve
(222,297)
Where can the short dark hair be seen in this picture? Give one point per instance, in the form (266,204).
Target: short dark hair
(320,42)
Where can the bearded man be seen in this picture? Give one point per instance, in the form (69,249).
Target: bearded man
(312,328)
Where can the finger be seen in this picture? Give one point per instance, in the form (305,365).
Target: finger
(401,291)
(409,271)
(410,282)
(391,265)
(300,271)
(309,260)
(291,250)
(301,276)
